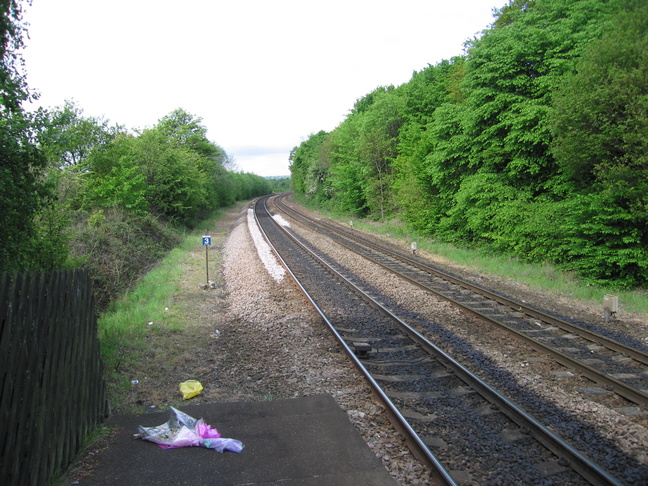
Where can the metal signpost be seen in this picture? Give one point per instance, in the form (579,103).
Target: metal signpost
(206,241)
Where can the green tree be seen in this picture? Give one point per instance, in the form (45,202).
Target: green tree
(182,129)
(430,88)
(445,161)
(347,175)
(600,121)
(511,73)
(176,187)
(171,169)
(489,144)
(13,83)
(377,148)
(429,95)
(532,143)
(508,13)
(309,166)
(25,190)
(123,187)
(68,138)
(600,124)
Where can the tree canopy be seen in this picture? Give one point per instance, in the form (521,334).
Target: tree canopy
(13,83)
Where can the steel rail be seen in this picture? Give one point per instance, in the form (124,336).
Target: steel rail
(579,463)
(622,389)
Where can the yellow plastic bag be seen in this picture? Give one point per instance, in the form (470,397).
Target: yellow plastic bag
(190,389)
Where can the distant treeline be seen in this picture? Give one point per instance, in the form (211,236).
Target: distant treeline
(534,143)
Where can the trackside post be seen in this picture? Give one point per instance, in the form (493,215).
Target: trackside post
(206,241)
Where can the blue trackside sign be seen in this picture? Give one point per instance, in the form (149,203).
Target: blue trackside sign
(206,240)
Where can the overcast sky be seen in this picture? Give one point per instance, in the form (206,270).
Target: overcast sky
(261,74)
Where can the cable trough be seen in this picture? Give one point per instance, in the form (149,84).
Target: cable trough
(477,434)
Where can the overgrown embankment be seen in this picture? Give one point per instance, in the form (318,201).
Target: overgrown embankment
(119,248)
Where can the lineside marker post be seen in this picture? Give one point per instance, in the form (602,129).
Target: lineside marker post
(610,306)
(206,241)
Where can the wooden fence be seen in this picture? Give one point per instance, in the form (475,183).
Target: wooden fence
(52,391)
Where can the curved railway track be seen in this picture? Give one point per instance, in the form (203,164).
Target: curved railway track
(433,398)
(611,364)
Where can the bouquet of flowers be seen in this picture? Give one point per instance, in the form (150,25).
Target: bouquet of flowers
(185,431)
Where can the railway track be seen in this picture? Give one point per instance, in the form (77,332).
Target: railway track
(611,364)
(478,435)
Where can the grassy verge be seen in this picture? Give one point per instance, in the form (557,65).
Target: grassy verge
(132,317)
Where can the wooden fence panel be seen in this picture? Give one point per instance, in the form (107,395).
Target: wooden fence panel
(52,391)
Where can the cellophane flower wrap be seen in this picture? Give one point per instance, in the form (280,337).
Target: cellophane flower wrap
(184,431)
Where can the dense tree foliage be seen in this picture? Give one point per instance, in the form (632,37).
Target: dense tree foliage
(24,189)
(23,194)
(533,143)
(600,127)
(13,85)
(280,183)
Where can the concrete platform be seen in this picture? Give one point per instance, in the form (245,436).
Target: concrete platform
(306,441)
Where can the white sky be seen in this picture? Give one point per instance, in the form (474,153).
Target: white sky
(262,74)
